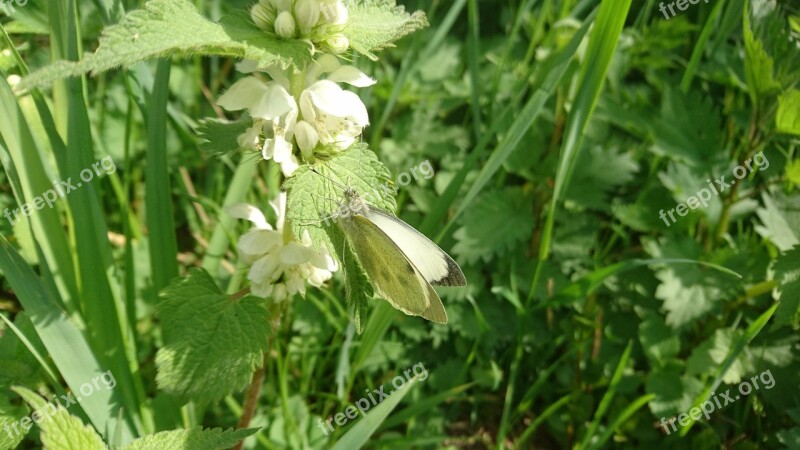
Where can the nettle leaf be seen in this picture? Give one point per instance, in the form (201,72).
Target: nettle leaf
(376,24)
(358,289)
(787,273)
(689,129)
(60,429)
(659,342)
(10,415)
(597,172)
(220,136)
(314,198)
(497,222)
(787,120)
(688,292)
(166,28)
(772,58)
(195,439)
(707,357)
(780,217)
(674,392)
(212,344)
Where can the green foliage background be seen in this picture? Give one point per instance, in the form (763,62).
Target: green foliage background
(559,129)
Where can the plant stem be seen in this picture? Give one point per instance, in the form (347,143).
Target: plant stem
(251,399)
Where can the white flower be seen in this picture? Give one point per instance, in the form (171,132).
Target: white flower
(337,116)
(274,113)
(280,265)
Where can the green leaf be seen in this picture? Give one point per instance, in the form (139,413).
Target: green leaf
(688,293)
(194,439)
(659,342)
(60,429)
(787,273)
(212,344)
(780,217)
(10,415)
(376,24)
(591,182)
(688,130)
(356,437)
(772,58)
(220,136)
(312,198)
(498,222)
(788,117)
(167,28)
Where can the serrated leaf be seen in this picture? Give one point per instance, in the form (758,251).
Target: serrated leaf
(10,415)
(772,55)
(787,119)
(194,439)
(60,429)
(780,217)
(688,130)
(597,171)
(212,344)
(674,392)
(659,342)
(688,293)
(376,24)
(166,28)
(497,222)
(708,356)
(220,136)
(787,274)
(312,198)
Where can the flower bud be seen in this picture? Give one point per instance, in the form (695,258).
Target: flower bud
(285,26)
(307,138)
(307,14)
(261,16)
(333,11)
(337,44)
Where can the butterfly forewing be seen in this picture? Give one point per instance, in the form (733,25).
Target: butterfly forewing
(436,266)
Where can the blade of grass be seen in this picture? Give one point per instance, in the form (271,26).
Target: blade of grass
(66,345)
(549,411)
(160,214)
(700,44)
(622,418)
(103,311)
(752,331)
(605,402)
(357,436)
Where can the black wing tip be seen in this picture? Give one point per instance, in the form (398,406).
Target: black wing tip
(454,278)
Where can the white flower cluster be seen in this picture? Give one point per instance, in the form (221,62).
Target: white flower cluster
(320,21)
(296,114)
(323,114)
(280,264)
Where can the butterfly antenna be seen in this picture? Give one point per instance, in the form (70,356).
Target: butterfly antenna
(336,183)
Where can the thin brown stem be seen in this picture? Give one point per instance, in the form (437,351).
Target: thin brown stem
(251,399)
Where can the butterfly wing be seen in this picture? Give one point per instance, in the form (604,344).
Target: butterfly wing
(393,275)
(436,266)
